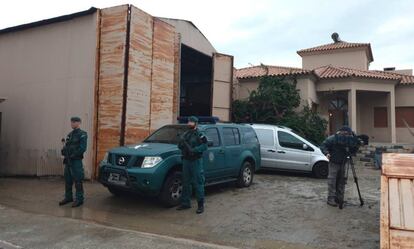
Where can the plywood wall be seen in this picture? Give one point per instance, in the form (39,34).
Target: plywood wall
(397,201)
(139,77)
(111,77)
(162,89)
(177,75)
(151,87)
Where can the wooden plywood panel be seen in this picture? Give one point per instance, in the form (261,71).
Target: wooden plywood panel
(222,86)
(401,239)
(400,165)
(111,76)
(401,204)
(394,198)
(177,70)
(222,114)
(162,90)
(384,226)
(139,77)
(221,97)
(407,203)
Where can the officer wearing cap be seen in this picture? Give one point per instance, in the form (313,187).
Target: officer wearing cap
(333,147)
(192,145)
(73,149)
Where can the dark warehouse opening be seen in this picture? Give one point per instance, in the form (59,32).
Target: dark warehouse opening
(195,85)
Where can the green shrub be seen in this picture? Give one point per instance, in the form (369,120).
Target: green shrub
(274,102)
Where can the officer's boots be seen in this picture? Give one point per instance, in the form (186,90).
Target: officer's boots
(183,207)
(200,208)
(77,203)
(79,189)
(65,201)
(332,202)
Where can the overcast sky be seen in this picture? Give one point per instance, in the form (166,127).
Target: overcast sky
(265,31)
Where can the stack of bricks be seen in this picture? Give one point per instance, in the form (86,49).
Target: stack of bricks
(366,153)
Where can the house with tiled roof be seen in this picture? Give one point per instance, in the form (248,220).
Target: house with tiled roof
(335,80)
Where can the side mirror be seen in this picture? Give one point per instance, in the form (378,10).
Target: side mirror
(210,143)
(305,146)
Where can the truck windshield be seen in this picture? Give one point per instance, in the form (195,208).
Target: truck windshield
(168,134)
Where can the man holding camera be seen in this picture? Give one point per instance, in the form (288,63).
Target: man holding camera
(73,149)
(337,148)
(192,145)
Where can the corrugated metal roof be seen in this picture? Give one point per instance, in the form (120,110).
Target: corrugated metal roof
(49,21)
(337,46)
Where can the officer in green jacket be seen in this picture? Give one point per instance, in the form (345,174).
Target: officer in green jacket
(192,145)
(73,149)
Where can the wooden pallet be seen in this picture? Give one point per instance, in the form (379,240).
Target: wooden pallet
(397,201)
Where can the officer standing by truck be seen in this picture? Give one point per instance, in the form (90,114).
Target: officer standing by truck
(73,150)
(335,148)
(192,145)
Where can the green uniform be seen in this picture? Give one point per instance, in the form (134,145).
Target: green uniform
(73,150)
(193,143)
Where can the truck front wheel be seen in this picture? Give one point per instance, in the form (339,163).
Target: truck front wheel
(246,175)
(171,191)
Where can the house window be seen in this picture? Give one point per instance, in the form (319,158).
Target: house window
(380,117)
(404,113)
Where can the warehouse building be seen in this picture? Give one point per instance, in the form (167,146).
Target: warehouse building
(123,71)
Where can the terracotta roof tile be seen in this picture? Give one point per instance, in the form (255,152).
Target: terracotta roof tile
(325,72)
(405,79)
(336,46)
(331,72)
(263,70)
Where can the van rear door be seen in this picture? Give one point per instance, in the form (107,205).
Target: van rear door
(266,138)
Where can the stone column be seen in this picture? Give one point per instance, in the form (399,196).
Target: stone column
(352,111)
(391,108)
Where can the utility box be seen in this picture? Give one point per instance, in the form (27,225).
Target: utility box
(397,201)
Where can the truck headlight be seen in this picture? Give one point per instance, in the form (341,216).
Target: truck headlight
(151,161)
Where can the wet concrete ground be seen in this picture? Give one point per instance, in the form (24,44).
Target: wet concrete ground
(20,229)
(278,211)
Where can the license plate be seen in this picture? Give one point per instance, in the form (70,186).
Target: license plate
(116,179)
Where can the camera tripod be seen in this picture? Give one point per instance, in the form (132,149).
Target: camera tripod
(343,177)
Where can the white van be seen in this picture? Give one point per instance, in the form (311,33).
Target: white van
(282,149)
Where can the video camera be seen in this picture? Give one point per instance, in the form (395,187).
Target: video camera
(350,142)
